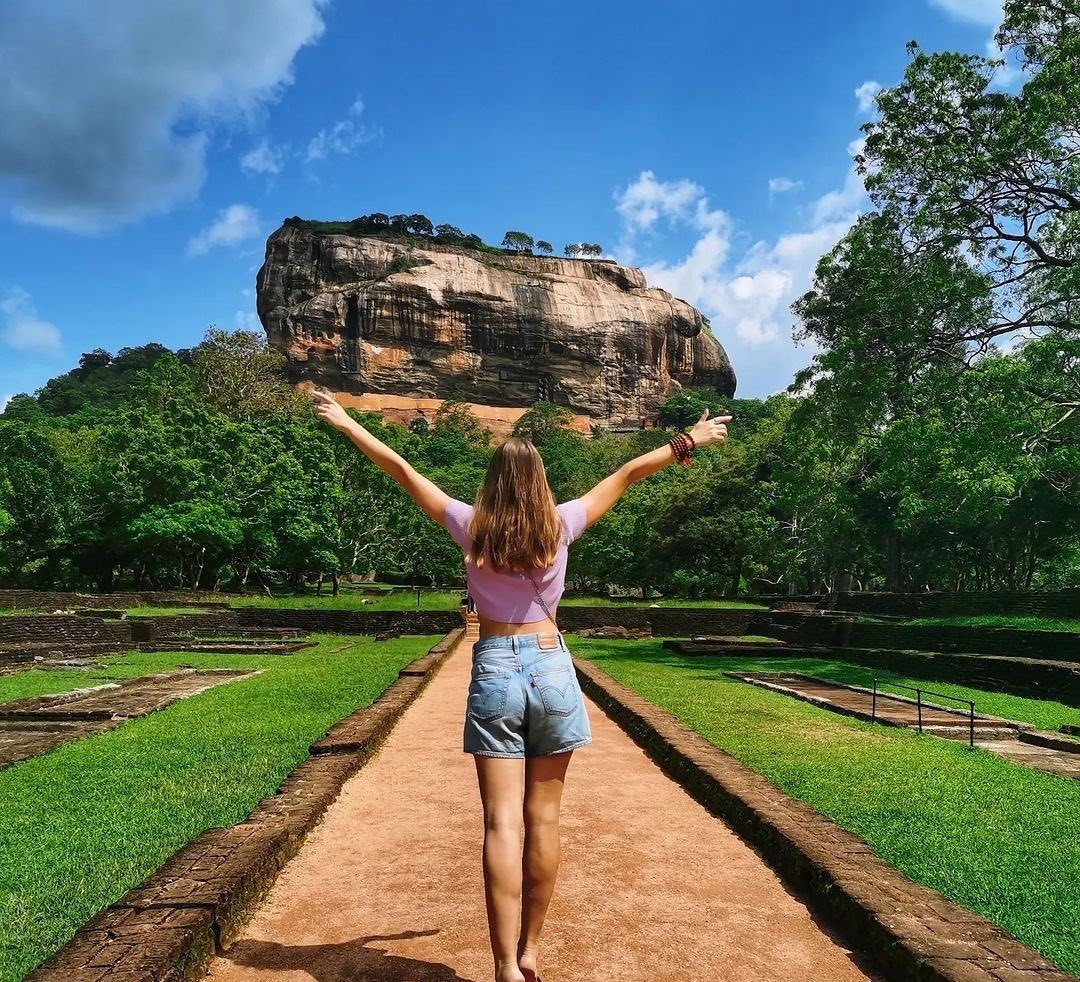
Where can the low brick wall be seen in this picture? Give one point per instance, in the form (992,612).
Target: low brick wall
(61,600)
(1048,603)
(169,927)
(668,621)
(63,629)
(1026,677)
(915,934)
(842,632)
(663,621)
(352,621)
(156,628)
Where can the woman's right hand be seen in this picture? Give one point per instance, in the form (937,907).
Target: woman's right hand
(328,409)
(706,431)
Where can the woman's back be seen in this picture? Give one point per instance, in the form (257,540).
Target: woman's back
(509,597)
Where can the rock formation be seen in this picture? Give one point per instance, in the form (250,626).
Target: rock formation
(419,321)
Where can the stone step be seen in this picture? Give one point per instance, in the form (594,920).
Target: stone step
(228,647)
(32,726)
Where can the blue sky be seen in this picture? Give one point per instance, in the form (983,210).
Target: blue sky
(149,149)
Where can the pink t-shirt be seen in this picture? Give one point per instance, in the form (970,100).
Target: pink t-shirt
(510,597)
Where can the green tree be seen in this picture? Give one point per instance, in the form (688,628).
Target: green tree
(544,247)
(241,375)
(966,166)
(419,225)
(517,241)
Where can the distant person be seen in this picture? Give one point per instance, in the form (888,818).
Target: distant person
(525,714)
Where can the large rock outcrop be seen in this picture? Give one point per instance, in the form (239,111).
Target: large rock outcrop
(380,317)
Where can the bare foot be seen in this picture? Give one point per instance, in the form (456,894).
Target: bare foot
(527,964)
(509,973)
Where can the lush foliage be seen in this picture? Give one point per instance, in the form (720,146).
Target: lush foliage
(938,459)
(208,470)
(421,227)
(994,836)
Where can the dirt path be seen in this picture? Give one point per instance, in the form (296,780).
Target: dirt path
(652,888)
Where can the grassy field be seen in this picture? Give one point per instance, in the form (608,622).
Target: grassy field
(994,620)
(994,836)
(89,820)
(1043,713)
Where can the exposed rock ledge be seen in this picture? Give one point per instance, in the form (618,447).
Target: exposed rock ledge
(381,318)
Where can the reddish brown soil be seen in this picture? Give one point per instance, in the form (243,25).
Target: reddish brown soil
(652,888)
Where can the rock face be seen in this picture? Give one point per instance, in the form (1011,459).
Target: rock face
(372,316)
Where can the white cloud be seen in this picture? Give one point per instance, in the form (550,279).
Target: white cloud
(646,200)
(108,108)
(248,320)
(344,136)
(748,295)
(1008,74)
(845,199)
(778,185)
(990,14)
(977,11)
(264,159)
(4,400)
(23,330)
(865,95)
(234,224)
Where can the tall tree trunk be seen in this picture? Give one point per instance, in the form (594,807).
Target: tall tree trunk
(197,569)
(892,562)
(736,577)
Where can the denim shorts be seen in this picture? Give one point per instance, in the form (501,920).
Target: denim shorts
(524,700)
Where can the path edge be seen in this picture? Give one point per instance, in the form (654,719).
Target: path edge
(911,932)
(195,905)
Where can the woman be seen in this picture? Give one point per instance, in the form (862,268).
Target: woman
(525,714)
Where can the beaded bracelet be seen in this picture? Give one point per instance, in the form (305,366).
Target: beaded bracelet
(681,444)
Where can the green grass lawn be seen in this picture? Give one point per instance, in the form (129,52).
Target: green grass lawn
(994,836)
(84,823)
(1042,713)
(994,620)
(353,600)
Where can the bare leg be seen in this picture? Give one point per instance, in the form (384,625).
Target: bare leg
(501,787)
(544,779)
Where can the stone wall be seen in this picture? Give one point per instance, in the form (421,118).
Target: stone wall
(663,621)
(1013,603)
(63,628)
(155,628)
(352,621)
(60,600)
(1019,676)
(843,633)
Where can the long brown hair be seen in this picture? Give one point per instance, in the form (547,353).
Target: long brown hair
(515,525)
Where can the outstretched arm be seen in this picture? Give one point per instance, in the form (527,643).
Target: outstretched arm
(424,492)
(608,491)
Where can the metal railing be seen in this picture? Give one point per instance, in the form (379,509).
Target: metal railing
(919,705)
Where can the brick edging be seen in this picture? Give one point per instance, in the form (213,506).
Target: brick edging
(913,933)
(170,926)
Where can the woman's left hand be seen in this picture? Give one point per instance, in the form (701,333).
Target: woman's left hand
(329,409)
